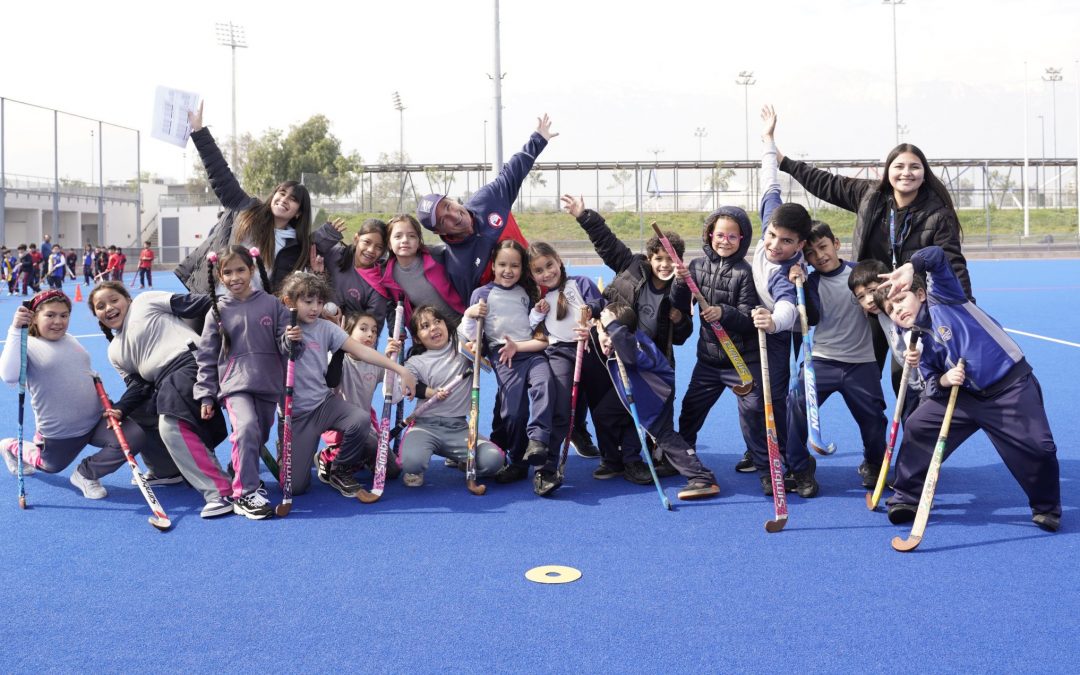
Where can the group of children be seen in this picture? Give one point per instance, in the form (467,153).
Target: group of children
(24,268)
(527,317)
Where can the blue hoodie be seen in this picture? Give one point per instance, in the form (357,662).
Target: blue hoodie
(652,380)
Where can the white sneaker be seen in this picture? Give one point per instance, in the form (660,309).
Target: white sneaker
(219,506)
(7,447)
(91,489)
(412,479)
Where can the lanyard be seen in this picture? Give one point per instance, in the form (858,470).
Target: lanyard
(892,236)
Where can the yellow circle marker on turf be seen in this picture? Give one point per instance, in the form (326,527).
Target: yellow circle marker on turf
(553,574)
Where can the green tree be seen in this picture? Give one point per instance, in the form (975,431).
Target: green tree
(621,178)
(386,188)
(439,181)
(536,179)
(309,148)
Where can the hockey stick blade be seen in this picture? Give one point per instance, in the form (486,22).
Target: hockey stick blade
(774,526)
(906,545)
(22,502)
(282,509)
(475,488)
(827,450)
(368,497)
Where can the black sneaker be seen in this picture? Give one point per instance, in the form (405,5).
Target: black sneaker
(583,444)
(254,505)
(606,471)
(637,473)
(664,469)
(902,513)
(322,467)
(699,489)
(1047,521)
(789,480)
(766,482)
(869,474)
(154,480)
(342,480)
(805,484)
(535,453)
(746,464)
(545,483)
(512,473)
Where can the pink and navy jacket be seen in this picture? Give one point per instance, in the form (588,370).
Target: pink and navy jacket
(255,363)
(437,275)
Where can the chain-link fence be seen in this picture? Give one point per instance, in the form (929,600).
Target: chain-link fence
(67,176)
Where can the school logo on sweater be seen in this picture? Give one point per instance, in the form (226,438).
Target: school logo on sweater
(266,321)
(354,293)
(495,220)
(945,333)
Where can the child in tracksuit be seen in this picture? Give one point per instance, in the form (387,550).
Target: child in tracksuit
(315,407)
(843,354)
(526,389)
(443,428)
(240,365)
(863,281)
(785,228)
(999,392)
(559,312)
(652,382)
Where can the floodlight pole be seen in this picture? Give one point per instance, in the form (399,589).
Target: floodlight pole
(1024,175)
(1053,76)
(497,79)
(896,78)
(700,134)
(746,80)
(231,35)
(400,107)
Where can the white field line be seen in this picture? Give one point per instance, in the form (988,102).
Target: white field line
(1043,337)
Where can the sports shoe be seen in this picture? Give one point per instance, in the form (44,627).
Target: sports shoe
(545,482)
(1047,521)
(322,466)
(583,444)
(699,489)
(253,505)
(91,489)
(152,479)
(606,471)
(413,479)
(805,484)
(218,506)
(512,473)
(535,453)
(902,513)
(869,474)
(342,480)
(765,477)
(451,463)
(7,447)
(789,480)
(664,469)
(637,473)
(746,464)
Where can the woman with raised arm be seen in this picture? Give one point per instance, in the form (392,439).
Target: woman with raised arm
(904,212)
(280,226)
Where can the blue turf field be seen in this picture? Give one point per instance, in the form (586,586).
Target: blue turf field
(431,580)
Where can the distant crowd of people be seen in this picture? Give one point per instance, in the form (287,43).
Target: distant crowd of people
(24,268)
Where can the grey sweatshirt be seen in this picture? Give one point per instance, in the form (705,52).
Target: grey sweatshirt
(150,338)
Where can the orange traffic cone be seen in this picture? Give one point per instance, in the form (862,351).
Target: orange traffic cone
(78,292)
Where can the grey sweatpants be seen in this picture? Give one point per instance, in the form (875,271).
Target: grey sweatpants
(251,419)
(58,453)
(334,413)
(446,437)
(199,465)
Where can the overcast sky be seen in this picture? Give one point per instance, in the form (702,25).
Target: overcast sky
(619,79)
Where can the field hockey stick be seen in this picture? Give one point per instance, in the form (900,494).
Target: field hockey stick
(159,519)
(926,501)
(378,484)
(747,380)
(813,414)
(285,470)
(423,407)
(628,390)
(873,498)
(776,465)
(474,413)
(399,414)
(578,358)
(22,411)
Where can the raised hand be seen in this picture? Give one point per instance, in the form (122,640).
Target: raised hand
(543,127)
(575,206)
(194,118)
(338,224)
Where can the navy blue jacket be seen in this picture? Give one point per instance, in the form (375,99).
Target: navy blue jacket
(652,380)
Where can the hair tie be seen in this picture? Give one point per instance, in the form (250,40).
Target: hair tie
(254,252)
(41,298)
(211,257)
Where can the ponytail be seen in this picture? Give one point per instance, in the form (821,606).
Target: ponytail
(262,269)
(212,258)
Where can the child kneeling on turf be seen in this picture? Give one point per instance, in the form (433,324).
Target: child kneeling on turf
(652,382)
(443,428)
(998,390)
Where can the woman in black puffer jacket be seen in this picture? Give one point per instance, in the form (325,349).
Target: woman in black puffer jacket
(280,226)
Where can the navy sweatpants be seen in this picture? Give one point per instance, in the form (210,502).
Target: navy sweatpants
(1014,420)
(707,384)
(560,359)
(528,400)
(860,385)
